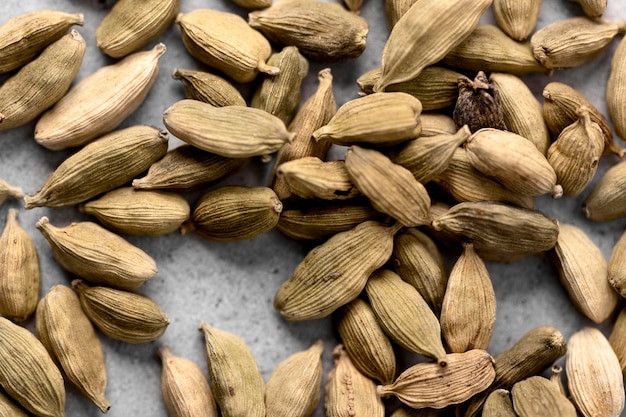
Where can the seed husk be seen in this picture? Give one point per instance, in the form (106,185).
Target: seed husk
(607,200)
(122,315)
(238,386)
(593,8)
(478,105)
(310,177)
(617,266)
(112,261)
(517,18)
(335,273)
(436,124)
(9,409)
(24,36)
(186,391)
(28,374)
(294,387)
(9,191)
(615,93)
(499,404)
(322,31)
(538,395)
(42,82)
(71,340)
(20,279)
(132,24)
(99,102)
(430,385)
(209,88)
(105,164)
(395,9)
(224,41)
(617,339)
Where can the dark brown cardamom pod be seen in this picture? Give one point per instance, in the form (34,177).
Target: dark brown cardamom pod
(478,105)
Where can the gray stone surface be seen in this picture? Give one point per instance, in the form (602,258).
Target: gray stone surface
(231,286)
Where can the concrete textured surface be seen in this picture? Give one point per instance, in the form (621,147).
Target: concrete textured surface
(232,285)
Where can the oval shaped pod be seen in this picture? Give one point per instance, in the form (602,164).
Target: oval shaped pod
(615,91)
(593,8)
(517,18)
(617,266)
(499,404)
(209,88)
(540,395)
(310,177)
(607,200)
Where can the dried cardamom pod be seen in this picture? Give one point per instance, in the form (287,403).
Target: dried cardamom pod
(353,5)
(209,88)
(617,339)
(607,200)
(322,31)
(594,375)
(436,124)
(615,93)
(105,164)
(391,188)
(499,404)
(294,387)
(576,152)
(224,41)
(335,273)
(238,386)
(517,18)
(9,409)
(187,167)
(348,392)
(186,391)
(406,411)
(514,161)
(404,315)
(280,94)
(24,36)
(71,340)
(367,344)
(20,279)
(126,210)
(310,177)
(42,82)
(253,4)
(489,49)
(7,190)
(617,266)
(395,9)
(468,312)
(232,131)
(234,212)
(593,8)
(100,102)
(572,42)
(122,315)
(523,114)
(102,257)
(430,385)
(28,374)
(538,395)
(478,105)
(424,35)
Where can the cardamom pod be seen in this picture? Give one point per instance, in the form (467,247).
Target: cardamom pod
(92,252)
(353,5)
(20,279)
(406,411)
(9,409)
(617,266)
(478,105)
(209,88)
(538,395)
(71,340)
(395,9)
(607,200)
(615,93)
(310,177)
(7,190)
(499,404)
(517,18)
(436,124)
(122,315)
(593,8)
(99,102)
(617,339)
(253,4)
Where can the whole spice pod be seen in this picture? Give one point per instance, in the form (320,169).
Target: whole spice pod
(379,118)
(617,339)
(279,94)
(391,188)
(348,392)
(478,105)
(99,102)
(232,131)
(406,411)
(310,177)
(607,200)
(20,279)
(404,315)
(234,212)
(253,4)
(325,32)
(334,273)
(424,35)
(9,409)
(186,391)
(132,24)
(294,387)
(126,210)
(186,168)
(617,266)
(593,8)
(209,88)
(429,385)
(615,93)
(576,153)
(514,161)
(489,49)
(539,394)
(395,9)
(28,374)
(105,164)
(560,104)
(102,257)
(572,42)
(9,191)
(224,41)
(122,315)
(594,375)
(517,18)
(52,72)
(365,341)
(71,340)
(436,124)
(499,404)
(24,36)
(238,386)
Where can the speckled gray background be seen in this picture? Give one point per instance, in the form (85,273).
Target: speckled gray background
(231,285)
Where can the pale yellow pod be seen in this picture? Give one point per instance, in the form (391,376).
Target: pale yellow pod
(538,395)
(607,200)
(615,90)
(9,191)
(593,8)
(99,102)
(499,404)
(310,177)
(517,18)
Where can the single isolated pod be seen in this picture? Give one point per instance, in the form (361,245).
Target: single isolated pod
(517,18)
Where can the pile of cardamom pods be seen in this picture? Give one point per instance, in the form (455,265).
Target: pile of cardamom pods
(302,208)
